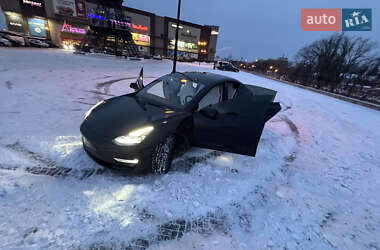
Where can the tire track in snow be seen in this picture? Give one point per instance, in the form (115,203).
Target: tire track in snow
(106,85)
(47,166)
(173,230)
(239,213)
(291,125)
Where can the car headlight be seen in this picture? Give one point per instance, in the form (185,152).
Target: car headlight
(92,108)
(134,137)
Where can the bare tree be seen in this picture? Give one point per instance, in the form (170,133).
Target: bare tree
(331,60)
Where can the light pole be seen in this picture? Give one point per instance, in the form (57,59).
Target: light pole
(176,38)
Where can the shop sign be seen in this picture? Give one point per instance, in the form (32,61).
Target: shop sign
(140,39)
(120,23)
(37,27)
(65,7)
(117,22)
(14,21)
(32,7)
(184,46)
(70,29)
(32,3)
(80,6)
(139,27)
(214,33)
(175,26)
(96,16)
(188,35)
(3,25)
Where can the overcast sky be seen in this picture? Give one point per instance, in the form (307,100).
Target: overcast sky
(258,29)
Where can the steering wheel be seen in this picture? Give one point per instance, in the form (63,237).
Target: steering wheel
(188,99)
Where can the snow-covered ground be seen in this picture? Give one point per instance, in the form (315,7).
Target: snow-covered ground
(314,183)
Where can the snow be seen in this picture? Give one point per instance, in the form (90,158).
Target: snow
(312,185)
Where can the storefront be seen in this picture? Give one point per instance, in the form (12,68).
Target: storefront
(140,29)
(188,39)
(101,16)
(37,27)
(14,22)
(70,8)
(33,8)
(69,27)
(72,35)
(66,34)
(34,19)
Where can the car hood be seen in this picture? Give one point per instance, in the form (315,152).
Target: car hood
(120,115)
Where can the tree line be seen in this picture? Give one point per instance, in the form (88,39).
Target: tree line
(340,64)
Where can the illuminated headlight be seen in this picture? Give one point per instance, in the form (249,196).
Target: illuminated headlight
(134,137)
(92,108)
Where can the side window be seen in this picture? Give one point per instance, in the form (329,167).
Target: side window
(232,88)
(214,96)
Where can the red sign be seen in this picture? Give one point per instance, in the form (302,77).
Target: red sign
(139,27)
(321,19)
(81,8)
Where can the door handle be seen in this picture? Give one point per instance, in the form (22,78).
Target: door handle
(231,113)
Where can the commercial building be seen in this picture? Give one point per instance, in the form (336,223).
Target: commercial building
(69,22)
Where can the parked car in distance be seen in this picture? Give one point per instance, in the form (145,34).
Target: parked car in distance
(4,42)
(226,66)
(16,40)
(38,43)
(157,57)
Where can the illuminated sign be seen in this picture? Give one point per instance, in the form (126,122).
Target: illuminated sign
(3,25)
(175,26)
(81,8)
(37,27)
(32,3)
(15,24)
(112,20)
(68,28)
(65,7)
(140,27)
(121,23)
(188,34)
(140,39)
(214,33)
(96,16)
(184,46)
(14,21)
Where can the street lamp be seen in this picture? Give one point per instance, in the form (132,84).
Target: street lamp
(176,38)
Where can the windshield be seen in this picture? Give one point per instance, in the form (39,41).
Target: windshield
(174,90)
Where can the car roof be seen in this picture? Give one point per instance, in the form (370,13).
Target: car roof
(208,79)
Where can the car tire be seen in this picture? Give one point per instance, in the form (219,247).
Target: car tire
(162,155)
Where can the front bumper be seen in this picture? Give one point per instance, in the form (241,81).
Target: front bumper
(103,151)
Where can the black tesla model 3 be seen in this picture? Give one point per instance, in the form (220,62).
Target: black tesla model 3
(142,131)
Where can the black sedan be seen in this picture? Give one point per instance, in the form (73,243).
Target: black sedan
(143,130)
(226,66)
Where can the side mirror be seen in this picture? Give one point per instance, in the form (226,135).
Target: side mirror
(133,85)
(209,112)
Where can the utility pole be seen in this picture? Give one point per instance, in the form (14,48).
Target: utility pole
(176,38)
